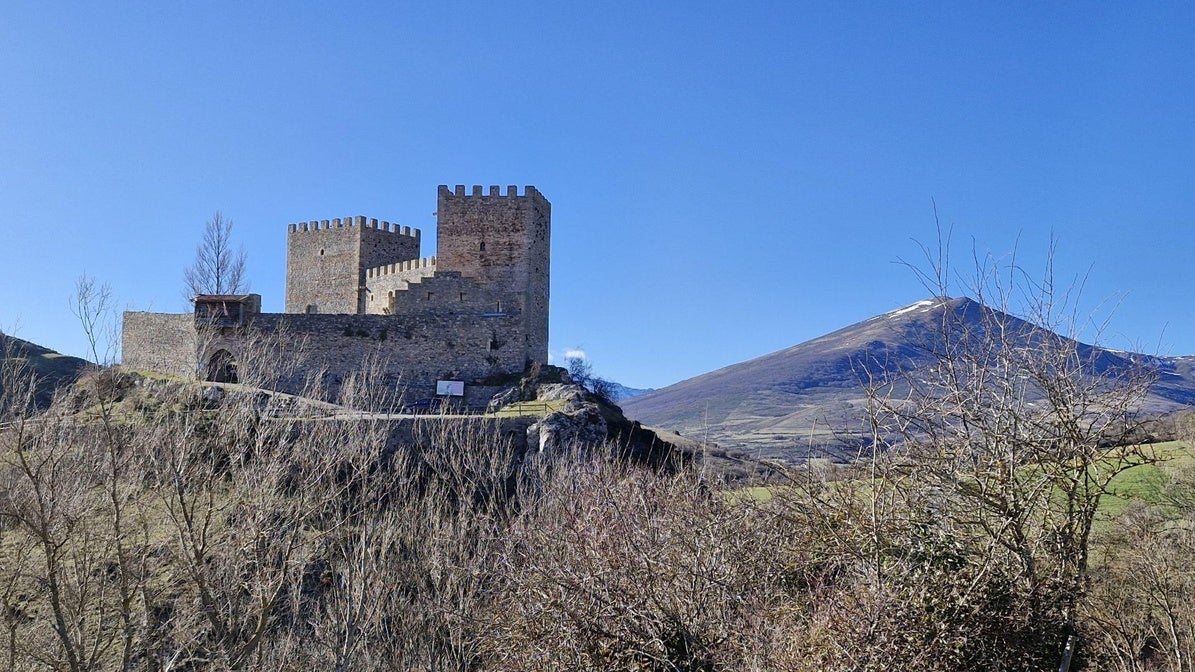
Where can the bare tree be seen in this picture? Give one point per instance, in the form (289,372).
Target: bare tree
(581,372)
(218,268)
(1015,431)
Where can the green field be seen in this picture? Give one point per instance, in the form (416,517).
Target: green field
(1149,482)
(1146,482)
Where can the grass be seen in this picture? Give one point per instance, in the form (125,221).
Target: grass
(528,408)
(1145,482)
(757,493)
(764,493)
(156,375)
(1148,482)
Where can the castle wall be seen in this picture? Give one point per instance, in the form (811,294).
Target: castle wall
(380,246)
(539,273)
(382,281)
(326,261)
(449,293)
(502,223)
(161,342)
(412,351)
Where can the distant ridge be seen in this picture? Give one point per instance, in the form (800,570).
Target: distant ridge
(811,395)
(52,369)
(619,392)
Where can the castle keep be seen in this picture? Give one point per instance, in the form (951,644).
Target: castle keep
(357,290)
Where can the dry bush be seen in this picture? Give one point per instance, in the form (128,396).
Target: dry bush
(200,530)
(1013,434)
(224,537)
(612,567)
(887,582)
(1141,616)
(318,543)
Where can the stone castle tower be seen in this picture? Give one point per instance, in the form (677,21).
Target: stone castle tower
(326,261)
(503,242)
(357,288)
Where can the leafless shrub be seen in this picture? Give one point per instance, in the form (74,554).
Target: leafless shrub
(1013,435)
(1140,616)
(616,567)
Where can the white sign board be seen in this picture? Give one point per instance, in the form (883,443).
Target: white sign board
(450,388)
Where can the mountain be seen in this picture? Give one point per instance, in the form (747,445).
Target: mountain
(619,392)
(51,368)
(811,395)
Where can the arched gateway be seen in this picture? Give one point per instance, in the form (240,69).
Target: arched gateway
(221,367)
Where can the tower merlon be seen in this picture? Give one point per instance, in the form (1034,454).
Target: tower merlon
(477,191)
(357,222)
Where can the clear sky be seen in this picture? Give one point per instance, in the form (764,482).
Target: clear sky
(727,179)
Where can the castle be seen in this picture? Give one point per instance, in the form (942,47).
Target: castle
(357,290)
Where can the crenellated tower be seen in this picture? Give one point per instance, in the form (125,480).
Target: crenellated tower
(502,241)
(327,260)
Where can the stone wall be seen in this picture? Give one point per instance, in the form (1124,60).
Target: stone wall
(382,246)
(410,352)
(381,282)
(162,342)
(539,273)
(449,293)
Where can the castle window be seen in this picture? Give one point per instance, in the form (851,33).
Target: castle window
(321,253)
(483,246)
(429,296)
(462,296)
(499,308)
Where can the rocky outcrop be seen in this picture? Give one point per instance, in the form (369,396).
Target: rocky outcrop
(579,420)
(582,419)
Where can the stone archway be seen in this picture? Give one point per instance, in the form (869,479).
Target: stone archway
(221,367)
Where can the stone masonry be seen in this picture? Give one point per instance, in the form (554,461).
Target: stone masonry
(357,291)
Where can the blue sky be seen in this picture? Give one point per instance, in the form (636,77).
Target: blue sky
(727,179)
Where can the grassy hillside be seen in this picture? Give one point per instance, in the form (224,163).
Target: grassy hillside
(51,369)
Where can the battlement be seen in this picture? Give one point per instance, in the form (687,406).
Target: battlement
(495,191)
(351,222)
(426,263)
